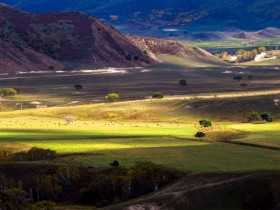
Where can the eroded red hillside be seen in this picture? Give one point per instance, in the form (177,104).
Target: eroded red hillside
(43,41)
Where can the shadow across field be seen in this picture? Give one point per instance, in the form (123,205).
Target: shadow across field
(213,157)
(36,134)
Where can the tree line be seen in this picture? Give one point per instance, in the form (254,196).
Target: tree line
(78,184)
(242,55)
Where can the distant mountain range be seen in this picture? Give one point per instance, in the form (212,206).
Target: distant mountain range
(232,34)
(161,16)
(55,41)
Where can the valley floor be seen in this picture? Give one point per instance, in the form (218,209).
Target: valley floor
(140,128)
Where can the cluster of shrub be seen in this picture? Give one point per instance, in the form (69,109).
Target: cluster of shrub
(256,116)
(34,154)
(204,123)
(6,92)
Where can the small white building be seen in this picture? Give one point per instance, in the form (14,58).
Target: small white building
(260,56)
(233,58)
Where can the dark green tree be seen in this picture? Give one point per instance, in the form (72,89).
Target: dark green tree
(200,135)
(237,78)
(205,123)
(78,87)
(267,117)
(183,83)
(6,92)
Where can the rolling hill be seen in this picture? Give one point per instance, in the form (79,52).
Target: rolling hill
(266,33)
(54,41)
(64,37)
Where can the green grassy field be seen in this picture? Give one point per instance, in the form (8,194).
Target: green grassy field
(187,61)
(154,133)
(274,62)
(236,43)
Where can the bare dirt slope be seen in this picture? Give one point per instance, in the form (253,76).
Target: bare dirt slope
(212,191)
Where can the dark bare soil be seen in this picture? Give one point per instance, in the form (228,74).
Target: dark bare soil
(213,191)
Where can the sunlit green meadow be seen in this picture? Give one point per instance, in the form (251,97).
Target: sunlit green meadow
(167,143)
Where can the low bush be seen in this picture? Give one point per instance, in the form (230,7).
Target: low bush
(158,95)
(253,116)
(112,97)
(200,135)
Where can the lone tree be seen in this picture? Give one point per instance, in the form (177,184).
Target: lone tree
(158,95)
(112,97)
(205,123)
(69,119)
(200,135)
(267,117)
(253,116)
(262,49)
(183,83)
(237,78)
(6,92)
(78,87)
